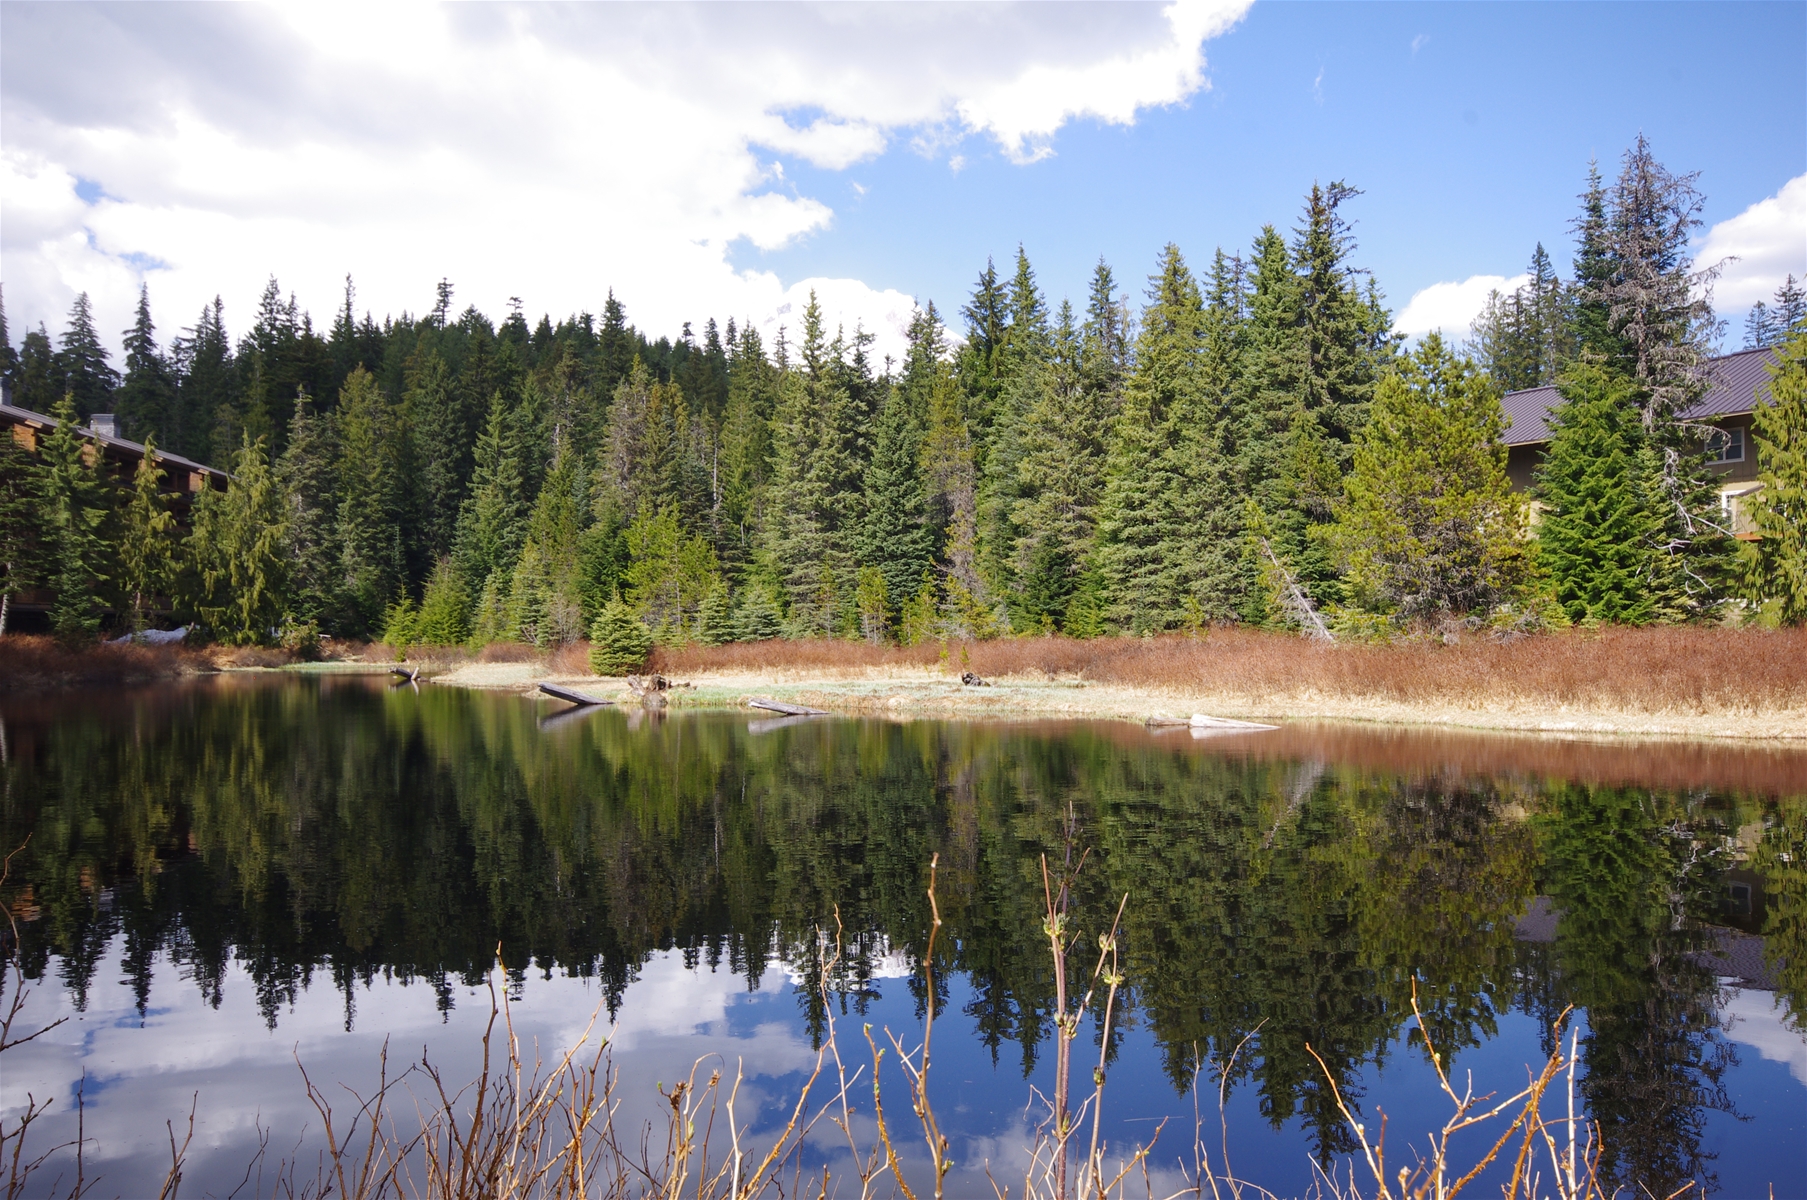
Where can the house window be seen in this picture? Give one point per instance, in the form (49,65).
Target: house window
(1726,445)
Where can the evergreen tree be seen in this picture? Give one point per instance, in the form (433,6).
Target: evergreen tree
(895,539)
(9,358)
(615,349)
(82,366)
(146,541)
(237,552)
(1600,523)
(555,530)
(1775,564)
(1167,529)
(1429,525)
(146,401)
(1105,338)
(1591,312)
(73,503)
(982,366)
(1766,326)
(20,554)
(445,429)
(34,380)
(491,526)
(308,474)
(668,575)
(372,500)
(812,516)
(1522,339)
(207,396)
(746,447)
(759,616)
(619,641)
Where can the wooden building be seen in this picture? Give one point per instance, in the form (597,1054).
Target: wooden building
(1723,417)
(183,479)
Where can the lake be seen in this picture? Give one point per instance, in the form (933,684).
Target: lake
(232,878)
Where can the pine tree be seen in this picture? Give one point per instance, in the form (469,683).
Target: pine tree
(237,551)
(9,358)
(73,503)
(1597,534)
(1429,525)
(1522,339)
(746,448)
(1766,326)
(1105,338)
(82,366)
(308,474)
(1775,564)
(615,349)
(982,369)
(1591,312)
(146,401)
(146,541)
(895,539)
(759,616)
(556,531)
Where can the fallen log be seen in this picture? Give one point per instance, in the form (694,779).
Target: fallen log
(411,675)
(568,716)
(572,694)
(1201,721)
(789,710)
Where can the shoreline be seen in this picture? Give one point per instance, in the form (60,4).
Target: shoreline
(928,692)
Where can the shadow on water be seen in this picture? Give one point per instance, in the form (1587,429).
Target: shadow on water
(1287,888)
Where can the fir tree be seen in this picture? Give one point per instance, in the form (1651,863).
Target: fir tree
(491,526)
(146,540)
(1766,326)
(1775,564)
(615,349)
(1599,526)
(982,366)
(73,503)
(237,551)
(1167,529)
(146,400)
(1105,338)
(207,396)
(81,366)
(745,448)
(1429,524)
(372,500)
(308,474)
(9,358)
(895,539)
(759,616)
(619,641)
(1590,315)
(445,427)
(20,554)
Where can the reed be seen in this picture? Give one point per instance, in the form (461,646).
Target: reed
(526,1129)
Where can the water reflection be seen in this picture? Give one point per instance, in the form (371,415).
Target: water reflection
(1286,889)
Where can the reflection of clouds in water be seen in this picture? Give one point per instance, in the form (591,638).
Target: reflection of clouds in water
(244,1073)
(1756,1019)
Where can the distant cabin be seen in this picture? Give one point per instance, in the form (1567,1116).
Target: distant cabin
(1724,413)
(183,479)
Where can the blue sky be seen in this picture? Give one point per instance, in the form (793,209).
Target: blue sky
(725,160)
(1468,126)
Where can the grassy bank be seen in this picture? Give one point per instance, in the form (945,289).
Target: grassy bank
(1688,682)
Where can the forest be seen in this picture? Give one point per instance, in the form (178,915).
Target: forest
(1251,444)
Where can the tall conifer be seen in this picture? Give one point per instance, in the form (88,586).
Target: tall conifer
(146,400)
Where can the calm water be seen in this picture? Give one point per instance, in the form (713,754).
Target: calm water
(227,876)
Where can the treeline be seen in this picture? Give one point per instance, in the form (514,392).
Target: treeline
(1253,445)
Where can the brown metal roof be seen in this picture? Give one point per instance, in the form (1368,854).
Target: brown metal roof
(1735,379)
(14,415)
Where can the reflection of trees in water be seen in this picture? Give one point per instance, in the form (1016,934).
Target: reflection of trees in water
(339,830)
(1633,889)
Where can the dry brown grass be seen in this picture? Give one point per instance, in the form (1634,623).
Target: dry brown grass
(1647,670)
(30,662)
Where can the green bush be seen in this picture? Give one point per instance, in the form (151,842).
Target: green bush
(619,640)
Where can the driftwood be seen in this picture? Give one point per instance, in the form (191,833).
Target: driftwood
(572,694)
(409,673)
(789,710)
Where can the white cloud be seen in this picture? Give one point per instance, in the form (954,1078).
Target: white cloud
(1452,307)
(549,152)
(1769,240)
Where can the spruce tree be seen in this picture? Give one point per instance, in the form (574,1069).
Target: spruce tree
(1598,531)
(619,641)
(982,366)
(146,400)
(9,358)
(73,502)
(746,448)
(1775,564)
(207,396)
(146,540)
(445,430)
(1429,525)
